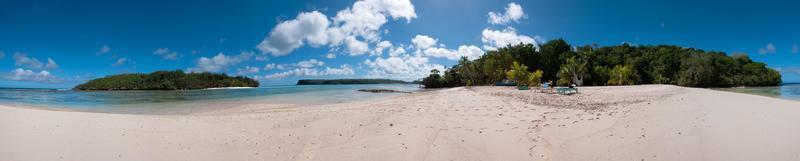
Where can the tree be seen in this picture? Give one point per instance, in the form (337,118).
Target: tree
(572,71)
(553,53)
(617,65)
(518,73)
(535,78)
(623,75)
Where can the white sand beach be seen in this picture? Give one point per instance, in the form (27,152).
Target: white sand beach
(647,122)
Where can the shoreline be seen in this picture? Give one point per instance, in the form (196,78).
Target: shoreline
(644,122)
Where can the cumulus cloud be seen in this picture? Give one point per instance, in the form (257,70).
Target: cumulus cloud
(469,51)
(219,62)
(513,13)
(312,72)
(104,49)
(404,67)
(769,49)
(309,63)
(21,74)
(795,48)
(262,58)
(397,51)
(51,64)
(422,42)
(248,70)
(120,61)
(166,54)
(355,47)
(354,27)
(330,55)
(380,47)
(493,39)
(22,59)
(290,35)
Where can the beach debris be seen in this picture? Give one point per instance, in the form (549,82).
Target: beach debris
(382,91)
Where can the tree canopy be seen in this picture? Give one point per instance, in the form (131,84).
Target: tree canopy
(610,65)
(167,80)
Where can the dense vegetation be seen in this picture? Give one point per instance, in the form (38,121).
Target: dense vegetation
(623,64)
(166,80)
(347,81)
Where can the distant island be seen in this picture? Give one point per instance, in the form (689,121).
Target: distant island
(167,80)
(348,81)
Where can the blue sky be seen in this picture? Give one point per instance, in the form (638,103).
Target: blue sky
(63,43)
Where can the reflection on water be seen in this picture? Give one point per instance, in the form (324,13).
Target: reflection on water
(785,91)
(110,100)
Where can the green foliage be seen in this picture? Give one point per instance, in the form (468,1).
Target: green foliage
(572,71)
(518,73)
(434,80)
(593,65)
(535,78)
(166,80)
(623,75)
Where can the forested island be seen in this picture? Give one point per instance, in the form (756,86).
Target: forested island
(167,80)
(590,65)
(347,81)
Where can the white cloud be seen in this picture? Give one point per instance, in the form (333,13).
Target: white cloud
(104,49)
(219,62)
(769,49)
(397,51)
(290,35)
(262,58)
(21,74)
(330,55)
(341,71)
(355,27)
(309,63)
(51,64)
(795,48)
(402,67)
(270,66)
(493,39)
(383,45)
(166,54)
(512,14)
(365,18)
(469,51)
(248,70)
(120,61)
(422,42)
(355,47)
(22,59)
(312,72)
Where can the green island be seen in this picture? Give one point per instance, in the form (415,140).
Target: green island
(348,81)
(167,80)
(558,62)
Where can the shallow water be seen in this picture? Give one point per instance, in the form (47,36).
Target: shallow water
(785,91)
(190,100)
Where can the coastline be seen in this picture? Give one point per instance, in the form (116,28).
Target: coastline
(645,122)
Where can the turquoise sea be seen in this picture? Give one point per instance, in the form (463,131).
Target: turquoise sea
(789,91)
(160,102)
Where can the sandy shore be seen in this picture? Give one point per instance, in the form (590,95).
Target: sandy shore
(653,122)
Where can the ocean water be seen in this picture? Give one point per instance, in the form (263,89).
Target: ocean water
(789,91)
(155,102)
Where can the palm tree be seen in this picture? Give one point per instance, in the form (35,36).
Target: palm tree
(572,71)
(622,75)
(518,73)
